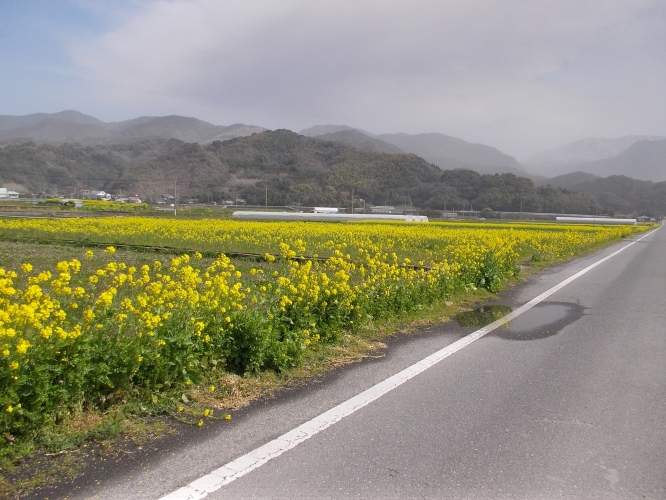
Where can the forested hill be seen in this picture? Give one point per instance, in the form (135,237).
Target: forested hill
(289,166)
(621,194)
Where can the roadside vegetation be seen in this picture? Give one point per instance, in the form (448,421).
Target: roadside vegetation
(94,335)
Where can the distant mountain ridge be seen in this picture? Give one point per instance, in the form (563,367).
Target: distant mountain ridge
(450,153)
(444,151)
(566,181)
(642,157)
(75,127)
(328,129)
(360,141)
(568,157)
(643,160)
(10,122)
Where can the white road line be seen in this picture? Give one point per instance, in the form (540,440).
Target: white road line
(258,457)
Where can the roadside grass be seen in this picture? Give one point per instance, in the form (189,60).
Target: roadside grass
(58,452)
(61,453)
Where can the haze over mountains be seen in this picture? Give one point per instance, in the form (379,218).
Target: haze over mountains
(644,160)
(444,151)
(634,155)
(641,157)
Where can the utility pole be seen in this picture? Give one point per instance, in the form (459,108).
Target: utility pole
(266,186)
(175,197)
(352,210)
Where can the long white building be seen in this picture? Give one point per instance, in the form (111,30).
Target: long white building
(330,217)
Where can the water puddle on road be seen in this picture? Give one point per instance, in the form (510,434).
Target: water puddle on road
(542,321)
(482,316)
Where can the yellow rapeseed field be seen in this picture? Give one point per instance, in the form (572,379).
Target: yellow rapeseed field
(78,334)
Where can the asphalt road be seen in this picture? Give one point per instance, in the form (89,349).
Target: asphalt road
(568,401)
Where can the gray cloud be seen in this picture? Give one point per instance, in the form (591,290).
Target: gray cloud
(522,76)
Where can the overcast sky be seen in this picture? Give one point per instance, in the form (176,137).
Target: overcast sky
(522,76)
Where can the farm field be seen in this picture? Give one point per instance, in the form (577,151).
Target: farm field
(84,327)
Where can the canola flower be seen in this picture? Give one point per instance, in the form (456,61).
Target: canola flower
(74,333)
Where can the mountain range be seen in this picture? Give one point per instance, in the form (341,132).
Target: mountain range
(286,167)
(642,157)
(638,156)
(442,150)
(75,127)
(127,147)
(644,160)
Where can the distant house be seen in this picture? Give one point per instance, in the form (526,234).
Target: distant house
(6,194)
(134,199)
(89,194)
(325,210)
